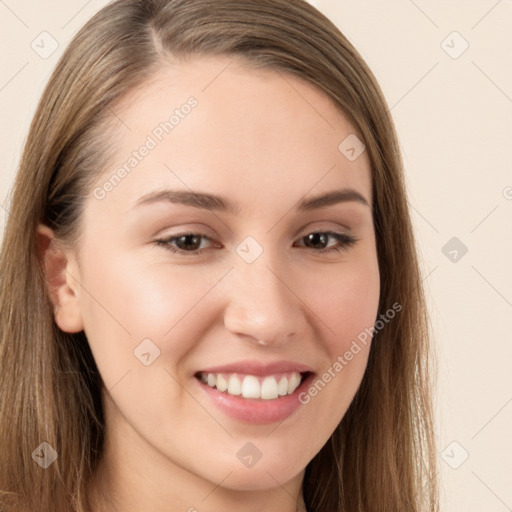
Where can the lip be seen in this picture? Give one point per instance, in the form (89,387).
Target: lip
(259,369)
(255,411)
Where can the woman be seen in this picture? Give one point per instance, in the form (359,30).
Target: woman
(210,290)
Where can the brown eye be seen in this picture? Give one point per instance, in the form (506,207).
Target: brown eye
(319,241)
(186,243)
(189,242)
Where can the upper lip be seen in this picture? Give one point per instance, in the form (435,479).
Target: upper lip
(256,368)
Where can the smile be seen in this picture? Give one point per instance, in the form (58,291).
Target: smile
(255,399)
(251,386)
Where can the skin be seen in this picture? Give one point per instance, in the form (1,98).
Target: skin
(265,140)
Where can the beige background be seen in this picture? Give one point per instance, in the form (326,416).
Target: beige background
(454,120)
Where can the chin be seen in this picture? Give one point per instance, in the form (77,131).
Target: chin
(259,479)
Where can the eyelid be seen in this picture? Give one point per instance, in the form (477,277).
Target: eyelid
(192,228)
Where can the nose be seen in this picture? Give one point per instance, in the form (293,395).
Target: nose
(262,306)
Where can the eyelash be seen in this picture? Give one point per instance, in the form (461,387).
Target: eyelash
(346,241)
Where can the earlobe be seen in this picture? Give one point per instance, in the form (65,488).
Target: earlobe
(61,275)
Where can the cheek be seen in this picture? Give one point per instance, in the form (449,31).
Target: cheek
(348,307)
(353,305)
(345,299)
(129,300)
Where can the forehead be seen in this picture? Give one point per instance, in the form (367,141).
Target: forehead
(217,122)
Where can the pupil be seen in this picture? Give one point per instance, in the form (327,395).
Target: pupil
(196,242)
(317,238)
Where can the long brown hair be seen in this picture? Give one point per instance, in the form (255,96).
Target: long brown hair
(382,455)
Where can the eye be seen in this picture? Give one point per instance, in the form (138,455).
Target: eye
(321,238)
(190,243)
(187,243)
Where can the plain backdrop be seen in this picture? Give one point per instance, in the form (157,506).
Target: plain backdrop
(445,68)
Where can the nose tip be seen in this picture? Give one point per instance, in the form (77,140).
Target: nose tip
(260,305)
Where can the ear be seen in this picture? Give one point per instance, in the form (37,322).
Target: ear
(62,279)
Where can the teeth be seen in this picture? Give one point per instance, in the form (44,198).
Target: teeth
(222,383)
(269,388)
(250,386)
(282,388)
(294,382)
(235,386)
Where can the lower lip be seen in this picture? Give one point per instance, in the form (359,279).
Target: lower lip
(256,411)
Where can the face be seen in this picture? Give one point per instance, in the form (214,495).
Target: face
(171,293)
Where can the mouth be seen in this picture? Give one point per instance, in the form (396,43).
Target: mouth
(255,399)
(255,392)
(269,387)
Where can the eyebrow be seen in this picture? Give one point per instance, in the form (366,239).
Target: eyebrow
(212,202)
